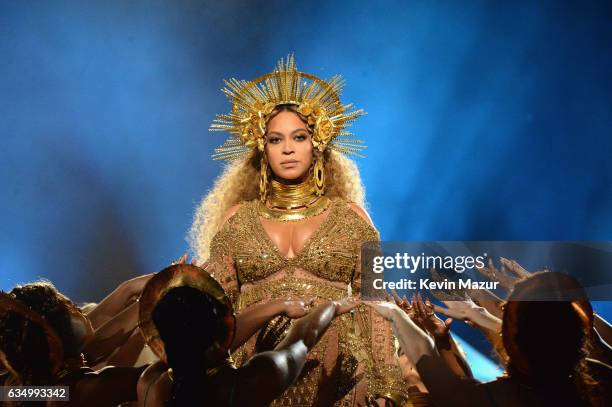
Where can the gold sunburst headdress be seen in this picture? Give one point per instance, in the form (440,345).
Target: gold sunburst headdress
(180,275)
(317,99)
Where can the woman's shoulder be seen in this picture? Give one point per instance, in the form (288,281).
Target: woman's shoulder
(353,208)
(237,210)
(361,212)
(356,217)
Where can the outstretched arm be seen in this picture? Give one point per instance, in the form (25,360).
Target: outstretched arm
(468,311)
(107,387)
(423,315)
(266,375)
(253,318)
(125,294)
(111,335)
(413,340)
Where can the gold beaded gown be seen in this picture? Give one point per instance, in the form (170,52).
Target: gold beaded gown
(355,362)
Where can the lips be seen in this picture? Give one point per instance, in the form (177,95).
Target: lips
(289,162)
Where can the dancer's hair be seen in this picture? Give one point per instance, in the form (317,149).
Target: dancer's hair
(25,344)
(188,321)
(546,329)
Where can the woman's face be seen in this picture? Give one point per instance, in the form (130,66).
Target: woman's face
(288,146)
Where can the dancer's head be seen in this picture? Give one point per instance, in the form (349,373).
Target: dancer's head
(183,305)
(546,325)
(189,321)
(38,327)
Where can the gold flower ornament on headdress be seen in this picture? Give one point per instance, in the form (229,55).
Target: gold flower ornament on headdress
(316,99)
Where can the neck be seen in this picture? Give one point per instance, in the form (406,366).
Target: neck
(288,202)
(287,196)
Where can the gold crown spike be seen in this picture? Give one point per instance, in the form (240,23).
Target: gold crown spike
(317,99)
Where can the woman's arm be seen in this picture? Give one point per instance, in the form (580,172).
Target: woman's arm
(221,262)
(385,380)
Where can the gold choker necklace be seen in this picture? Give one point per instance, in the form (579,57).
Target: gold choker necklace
(293,202)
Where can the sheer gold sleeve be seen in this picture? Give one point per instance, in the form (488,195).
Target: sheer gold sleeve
(221,263)
(384,374)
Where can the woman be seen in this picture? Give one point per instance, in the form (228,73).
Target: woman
(285,219)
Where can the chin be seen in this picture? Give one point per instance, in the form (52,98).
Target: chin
(291,175)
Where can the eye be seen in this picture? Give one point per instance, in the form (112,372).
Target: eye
(301,137)
(274,140)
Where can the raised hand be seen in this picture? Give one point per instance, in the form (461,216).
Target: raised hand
(494,274)
(425,317)
(403,303)
(467,310)
(183,260)
(513,267)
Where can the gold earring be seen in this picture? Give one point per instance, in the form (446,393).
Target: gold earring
(263,178)
(319,175)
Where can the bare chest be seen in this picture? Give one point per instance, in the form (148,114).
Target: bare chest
(291,237)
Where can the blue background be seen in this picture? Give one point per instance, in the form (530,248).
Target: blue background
(487,121)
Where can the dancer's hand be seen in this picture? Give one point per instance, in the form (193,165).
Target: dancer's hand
(345,305)
(296,308)
(183,260)
(133,288)
(387,310)
(514,267)
(425,318)
(403,303)
(468,311)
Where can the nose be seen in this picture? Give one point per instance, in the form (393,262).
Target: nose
(288,147)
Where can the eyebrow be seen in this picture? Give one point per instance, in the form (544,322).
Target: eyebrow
(293,132)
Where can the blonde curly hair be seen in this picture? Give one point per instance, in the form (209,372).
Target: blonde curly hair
(239,182)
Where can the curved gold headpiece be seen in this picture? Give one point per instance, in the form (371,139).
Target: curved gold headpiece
(177,276)
(9,304)
(317,99)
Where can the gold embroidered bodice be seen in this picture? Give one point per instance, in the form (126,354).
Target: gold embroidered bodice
(330,252)
(358,348)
